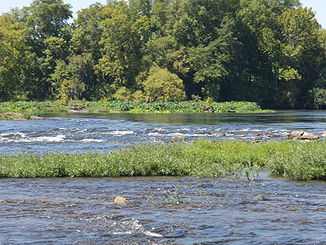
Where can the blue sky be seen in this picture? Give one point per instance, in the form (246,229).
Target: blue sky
(318,6)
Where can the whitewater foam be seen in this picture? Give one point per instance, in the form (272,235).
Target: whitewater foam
(122,132)
(22,138)
(92,140)
(133,226)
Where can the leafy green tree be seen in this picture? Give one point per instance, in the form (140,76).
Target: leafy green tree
(87,32)
(200,19)
(162,85)
(122,42)
(268,51)
(75,73)
(300,55)
(12,48)
(212,63)
(47,18)
(48,35)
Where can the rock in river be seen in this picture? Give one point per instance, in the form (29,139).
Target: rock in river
(295,134)
(119,200)
(301,135)
(309,136)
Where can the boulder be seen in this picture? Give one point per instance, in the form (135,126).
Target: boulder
(78,108)
(303,136)
(260,198)
(323,134)
(211,110)
(208,109)
(295,134)
(119,200)
(309,136)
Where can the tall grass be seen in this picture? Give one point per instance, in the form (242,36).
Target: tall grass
(295,160)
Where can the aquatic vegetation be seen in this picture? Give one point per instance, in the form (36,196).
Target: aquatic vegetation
(295,160)
(128,106)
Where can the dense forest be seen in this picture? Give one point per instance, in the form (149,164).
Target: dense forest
(268,51)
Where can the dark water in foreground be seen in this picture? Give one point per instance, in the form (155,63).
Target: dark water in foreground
(105,132)
(162,210)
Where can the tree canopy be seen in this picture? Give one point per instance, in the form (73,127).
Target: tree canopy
(268,51)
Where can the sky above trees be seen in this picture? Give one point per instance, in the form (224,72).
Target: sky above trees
(318,6)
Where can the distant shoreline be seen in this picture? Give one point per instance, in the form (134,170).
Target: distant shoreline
(30,110)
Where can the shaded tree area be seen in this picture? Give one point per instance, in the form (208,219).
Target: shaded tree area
(268,51)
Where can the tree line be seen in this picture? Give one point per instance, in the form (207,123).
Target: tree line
(268,51)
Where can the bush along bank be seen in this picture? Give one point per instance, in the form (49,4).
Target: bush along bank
(294,160)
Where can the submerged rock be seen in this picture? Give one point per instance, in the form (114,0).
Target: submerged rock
(301,135)
(239,135)
(295,134)
(260,198)
(119,200)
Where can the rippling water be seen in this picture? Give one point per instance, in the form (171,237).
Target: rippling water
(105,132)
(161,210)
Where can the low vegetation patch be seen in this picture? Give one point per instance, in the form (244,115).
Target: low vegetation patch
(127,106)
(295,160)
(17,116)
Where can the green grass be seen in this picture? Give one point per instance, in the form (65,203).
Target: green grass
(294,160)
(127,106)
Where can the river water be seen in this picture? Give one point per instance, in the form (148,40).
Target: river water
(162,210)
(105,132)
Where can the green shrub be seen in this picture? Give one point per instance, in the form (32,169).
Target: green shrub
(319,98)
(164,86)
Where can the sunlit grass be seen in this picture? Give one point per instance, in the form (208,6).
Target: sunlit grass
(294,160)
(127,106)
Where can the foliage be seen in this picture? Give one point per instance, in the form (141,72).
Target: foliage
(295,160)
(162,85)
(12,46)
(271,52)
(127,106)
(319,98)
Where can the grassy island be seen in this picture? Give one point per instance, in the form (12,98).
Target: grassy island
(294,160)
(22,109)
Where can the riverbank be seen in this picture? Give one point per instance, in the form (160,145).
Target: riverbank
(290,159)
(35,108)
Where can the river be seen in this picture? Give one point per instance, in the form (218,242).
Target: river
(162,210)
(106,132)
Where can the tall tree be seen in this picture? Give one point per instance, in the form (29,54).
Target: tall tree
(12,49)
(48,38)
(124,36)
